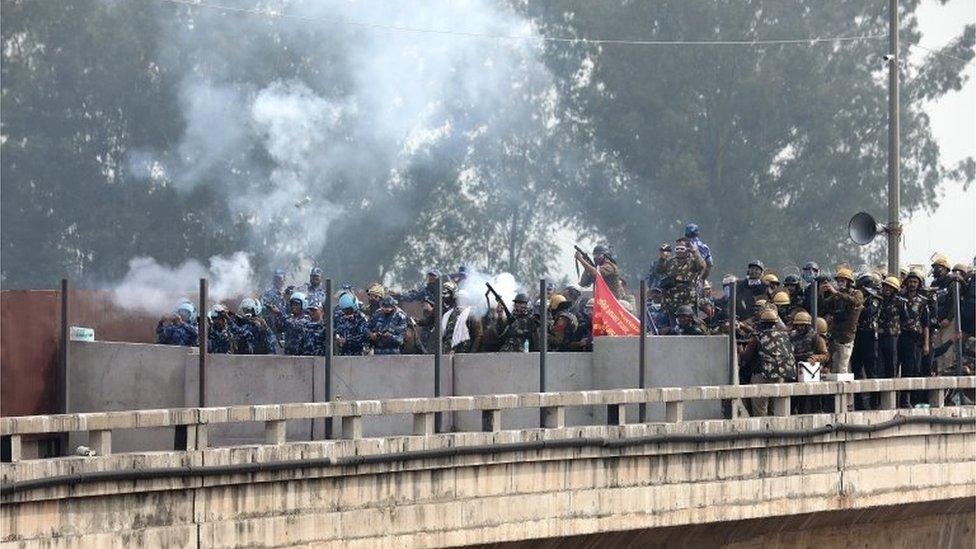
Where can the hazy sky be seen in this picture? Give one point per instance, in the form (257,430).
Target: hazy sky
(951,228)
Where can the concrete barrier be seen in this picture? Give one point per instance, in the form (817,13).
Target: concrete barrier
(106,377)
(383,377)
(503,373)
(672,361)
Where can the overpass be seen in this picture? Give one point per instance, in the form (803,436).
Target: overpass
(900,478)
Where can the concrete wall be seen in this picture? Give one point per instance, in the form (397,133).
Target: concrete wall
(672,361)
(503,373)
(124,376)
(105,377)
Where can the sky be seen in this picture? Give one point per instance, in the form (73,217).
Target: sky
(951,227)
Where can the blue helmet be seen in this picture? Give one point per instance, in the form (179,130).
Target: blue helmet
(691,230)
(316,271)
(434,272)
(388,301)
(186,310)
(252,304)
(347,301)
(300,298)
(280,273)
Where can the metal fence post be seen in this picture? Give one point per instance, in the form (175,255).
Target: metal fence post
(641,361)
(202,333)
(329,350)
(438,348)
(543,341)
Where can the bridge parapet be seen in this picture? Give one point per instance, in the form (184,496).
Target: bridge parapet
(190,424)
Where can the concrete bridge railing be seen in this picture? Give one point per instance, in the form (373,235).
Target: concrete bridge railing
(190,424)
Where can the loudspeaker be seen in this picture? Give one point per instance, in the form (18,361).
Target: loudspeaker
(863,228)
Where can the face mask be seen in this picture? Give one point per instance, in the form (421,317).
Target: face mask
(754,281)
(807,276)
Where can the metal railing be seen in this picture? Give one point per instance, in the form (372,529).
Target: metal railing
(191,424)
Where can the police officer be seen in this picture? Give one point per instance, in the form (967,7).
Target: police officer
(388,327)
(604,264)
(220,339)
(772,285)
(809,347)
(693,234)
(781,300)
(891,315)
(374,296)
(686,323)
(845,303)
(425,292)
(351,328)
(180,328)
(864,356)
(791,285)
(273,300)
(913,341)
(254,336)
(314,292)
(517,332)
(681,275)
(584,332)
(564,322)
(774,352)
(294,324)
(750,288)
(656,272)
(314,339)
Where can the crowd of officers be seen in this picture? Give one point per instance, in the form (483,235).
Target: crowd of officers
(872,324)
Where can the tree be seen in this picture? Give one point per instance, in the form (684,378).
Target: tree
(771,148)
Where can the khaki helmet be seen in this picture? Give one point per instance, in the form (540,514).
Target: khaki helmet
(376,289)
(916,275)
(940,260)
(892,282)
(802,318)
(845,273)
(781,299)
(821,325)
(768,315)
(770,278)
(555,301)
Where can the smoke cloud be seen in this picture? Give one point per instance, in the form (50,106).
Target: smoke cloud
(157,289)
(472,290)
(304,120)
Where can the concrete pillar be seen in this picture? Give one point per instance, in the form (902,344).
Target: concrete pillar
(936,398)
(781,406)
(16,447)
(423,424)
(100,442)
(352,427)
(491,421)
(889,400)
(616,414)
(275,432)
(554,417)
(674,411)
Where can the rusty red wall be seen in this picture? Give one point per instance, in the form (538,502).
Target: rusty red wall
(30,338)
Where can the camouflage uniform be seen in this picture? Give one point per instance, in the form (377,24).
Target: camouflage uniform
(517,335)
(472,345)
(390,330)
(776,361)
(611,275)
(294,328)
(313,295)
(562,330)
(315,340)
(355,330)
(220,341)
(696,328)
(253,338)
(680,281)
(180,333)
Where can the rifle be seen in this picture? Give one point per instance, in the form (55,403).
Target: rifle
(585,255)
(498,299)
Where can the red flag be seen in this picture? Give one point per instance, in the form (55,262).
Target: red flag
(609,316)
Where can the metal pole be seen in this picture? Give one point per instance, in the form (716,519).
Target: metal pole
(957,312)
(814,301)
(202,333)
(894,156)
(438,347)
(64,379)
(329,346)
(733,344)
(543,342)
(641,361)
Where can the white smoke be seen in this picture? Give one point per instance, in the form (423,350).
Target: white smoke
(472,290)
(294,153)
(153,288)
